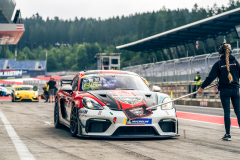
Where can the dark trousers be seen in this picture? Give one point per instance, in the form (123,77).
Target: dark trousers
(226,94)
(195,88)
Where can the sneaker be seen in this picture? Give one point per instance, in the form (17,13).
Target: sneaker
(45,101)
(227,138)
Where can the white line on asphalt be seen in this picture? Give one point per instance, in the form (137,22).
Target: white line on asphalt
(21,148)
(48,123)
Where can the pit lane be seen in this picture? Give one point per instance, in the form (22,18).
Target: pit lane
(33,123)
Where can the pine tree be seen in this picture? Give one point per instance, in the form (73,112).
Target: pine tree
(169,20)
(151,24)
(141,27)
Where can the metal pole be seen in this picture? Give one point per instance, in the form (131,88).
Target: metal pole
(237,46)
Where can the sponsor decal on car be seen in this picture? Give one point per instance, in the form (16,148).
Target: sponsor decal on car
(142,121)
(83,111)
(100,112)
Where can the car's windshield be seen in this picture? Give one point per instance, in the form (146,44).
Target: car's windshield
(24,88)
(112,82)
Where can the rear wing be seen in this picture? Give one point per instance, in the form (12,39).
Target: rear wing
(66,81)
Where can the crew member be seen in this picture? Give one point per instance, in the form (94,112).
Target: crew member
(46,91)
(52,85)
(197,83)
(227,69)
(45,94)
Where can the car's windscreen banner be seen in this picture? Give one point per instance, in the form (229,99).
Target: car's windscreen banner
(13,73)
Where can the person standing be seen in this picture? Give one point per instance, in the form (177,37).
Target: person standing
(52,85)
(55,88)
(46,91)
(227,69)
(197,83)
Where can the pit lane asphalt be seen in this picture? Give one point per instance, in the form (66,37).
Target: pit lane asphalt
(33,122)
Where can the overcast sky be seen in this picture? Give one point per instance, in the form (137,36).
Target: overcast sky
(69,9)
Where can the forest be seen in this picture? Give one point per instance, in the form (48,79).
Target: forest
(71,44)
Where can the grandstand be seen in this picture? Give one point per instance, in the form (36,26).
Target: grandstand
(28,68)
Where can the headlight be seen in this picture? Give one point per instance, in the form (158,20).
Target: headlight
(167,106)
(91,103)
(16,93)
(36,93)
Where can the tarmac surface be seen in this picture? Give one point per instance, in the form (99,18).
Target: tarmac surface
(28,128)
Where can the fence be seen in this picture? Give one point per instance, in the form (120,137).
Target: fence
(178,70)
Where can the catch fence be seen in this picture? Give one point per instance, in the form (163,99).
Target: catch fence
(178,70)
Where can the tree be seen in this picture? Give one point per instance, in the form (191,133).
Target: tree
(181,18)
(141,27)
(169,20)
(151,25)
(159,25)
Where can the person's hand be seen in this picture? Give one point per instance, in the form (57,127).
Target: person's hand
(200,90)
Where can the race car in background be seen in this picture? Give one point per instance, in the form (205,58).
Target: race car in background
(92,104)
(4,91)
(25,93)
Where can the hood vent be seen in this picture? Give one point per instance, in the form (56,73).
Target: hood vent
(103,95)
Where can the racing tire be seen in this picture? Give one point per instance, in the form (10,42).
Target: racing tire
(57,123)
(74,121)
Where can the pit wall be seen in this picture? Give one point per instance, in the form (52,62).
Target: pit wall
(208,98)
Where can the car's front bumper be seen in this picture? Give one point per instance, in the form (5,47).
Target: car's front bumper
(160,124)
(33,98)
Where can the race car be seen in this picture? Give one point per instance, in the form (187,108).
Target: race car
(4,91)
(25,93)
(93,103)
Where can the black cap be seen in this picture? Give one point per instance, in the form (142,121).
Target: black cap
(198,72)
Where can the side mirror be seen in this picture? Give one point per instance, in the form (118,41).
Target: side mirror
(67,88)
(156,89)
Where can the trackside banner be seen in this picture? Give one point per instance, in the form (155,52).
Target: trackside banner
(13,72)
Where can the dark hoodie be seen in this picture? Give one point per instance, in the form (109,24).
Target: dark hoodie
(219,70)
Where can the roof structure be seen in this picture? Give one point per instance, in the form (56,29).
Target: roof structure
(212,27)
(10,33)
(6,10)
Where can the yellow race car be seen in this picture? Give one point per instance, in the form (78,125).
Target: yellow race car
(25,93)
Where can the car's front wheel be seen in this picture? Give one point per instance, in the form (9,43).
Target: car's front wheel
(74,121)
(57,123)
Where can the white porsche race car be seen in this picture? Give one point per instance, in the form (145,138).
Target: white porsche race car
(93,106)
